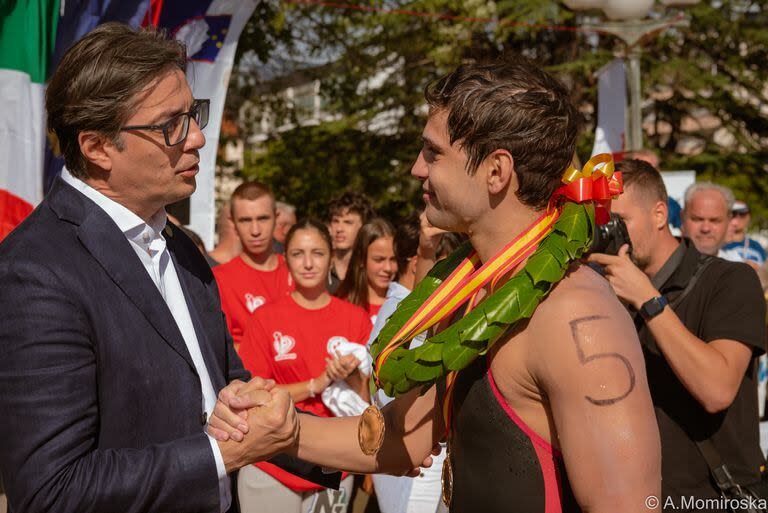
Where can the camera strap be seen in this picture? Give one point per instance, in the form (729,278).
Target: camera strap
(704,261)
(718,469)
(670,266)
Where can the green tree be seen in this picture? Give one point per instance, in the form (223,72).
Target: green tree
(308,166)
(717,66)
(380,57)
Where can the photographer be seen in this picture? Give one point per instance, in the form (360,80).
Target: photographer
(700,321)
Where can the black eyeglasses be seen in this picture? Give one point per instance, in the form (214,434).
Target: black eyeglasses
(176,129)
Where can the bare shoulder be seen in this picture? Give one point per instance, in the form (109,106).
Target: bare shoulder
(583,334)
(582,294)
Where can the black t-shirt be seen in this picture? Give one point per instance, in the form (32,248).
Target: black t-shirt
(726,303)
(333,281)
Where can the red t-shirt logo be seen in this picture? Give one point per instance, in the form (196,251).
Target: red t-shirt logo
(283,345)
(253,302)
(334,343)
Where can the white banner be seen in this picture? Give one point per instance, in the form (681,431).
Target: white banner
(211,44)
(677,182)
(610,134)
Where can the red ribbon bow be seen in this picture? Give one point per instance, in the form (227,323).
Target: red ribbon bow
(598,184)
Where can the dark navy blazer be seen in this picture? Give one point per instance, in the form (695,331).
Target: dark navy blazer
(100,403)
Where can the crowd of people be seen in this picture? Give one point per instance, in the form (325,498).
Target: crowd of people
(339,281)
(301,298)
(140,373)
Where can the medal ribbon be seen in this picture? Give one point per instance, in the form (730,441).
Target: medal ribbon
(465,281)
(450,378)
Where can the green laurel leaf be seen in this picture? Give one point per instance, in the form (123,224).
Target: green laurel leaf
(573,223)
(511,300)
(425,371)
(458,356)
(429,352)
(402,386)
(458,345)
(554,245)
(544,267)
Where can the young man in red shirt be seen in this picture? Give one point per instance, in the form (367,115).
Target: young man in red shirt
(258,275)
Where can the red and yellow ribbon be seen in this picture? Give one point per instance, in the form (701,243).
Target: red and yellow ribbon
(597,181)
(465,281)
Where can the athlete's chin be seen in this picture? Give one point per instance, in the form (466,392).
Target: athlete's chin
(441,219)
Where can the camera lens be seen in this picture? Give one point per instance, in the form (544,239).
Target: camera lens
(610,237)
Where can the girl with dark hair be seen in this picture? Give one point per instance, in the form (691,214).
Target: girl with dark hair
(309,342)
(372,267)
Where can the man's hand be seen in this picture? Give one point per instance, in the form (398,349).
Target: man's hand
(273,427)
(428,461)
(230,422)
(429,238)
(340,367)
(628,282)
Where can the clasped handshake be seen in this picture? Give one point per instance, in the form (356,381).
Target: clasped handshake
(253,421)
(263,415)
(257,420)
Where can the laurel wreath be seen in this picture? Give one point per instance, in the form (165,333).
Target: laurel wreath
(473,335)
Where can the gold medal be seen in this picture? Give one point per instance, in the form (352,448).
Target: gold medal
(370,431)
(447,480)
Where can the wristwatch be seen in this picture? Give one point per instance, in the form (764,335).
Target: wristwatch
(653,307)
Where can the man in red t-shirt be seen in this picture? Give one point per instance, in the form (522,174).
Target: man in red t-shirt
(258,275)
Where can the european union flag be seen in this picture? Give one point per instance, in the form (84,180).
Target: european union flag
(204,36)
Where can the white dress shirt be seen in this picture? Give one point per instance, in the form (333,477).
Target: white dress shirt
(148,242)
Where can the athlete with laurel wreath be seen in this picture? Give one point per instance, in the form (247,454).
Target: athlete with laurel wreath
(533,371)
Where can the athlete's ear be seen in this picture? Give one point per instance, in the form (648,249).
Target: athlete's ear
(500,171)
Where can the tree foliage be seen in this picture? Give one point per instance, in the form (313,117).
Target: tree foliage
(378,57)
(717,66)
(308,166)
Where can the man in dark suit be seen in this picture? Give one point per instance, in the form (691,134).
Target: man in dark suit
(113,346)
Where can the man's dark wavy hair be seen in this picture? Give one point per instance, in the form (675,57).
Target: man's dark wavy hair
(514,105)
(352,202)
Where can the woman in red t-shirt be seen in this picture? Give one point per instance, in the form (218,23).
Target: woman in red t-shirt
(372,267)
(293,341)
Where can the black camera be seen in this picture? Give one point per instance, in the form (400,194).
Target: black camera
(610,237)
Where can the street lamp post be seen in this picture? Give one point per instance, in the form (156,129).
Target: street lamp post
(626,24)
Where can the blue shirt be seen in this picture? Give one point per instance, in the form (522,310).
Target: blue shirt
(748,249)
(395,294)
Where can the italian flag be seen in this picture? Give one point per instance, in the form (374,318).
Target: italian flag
(27,38)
